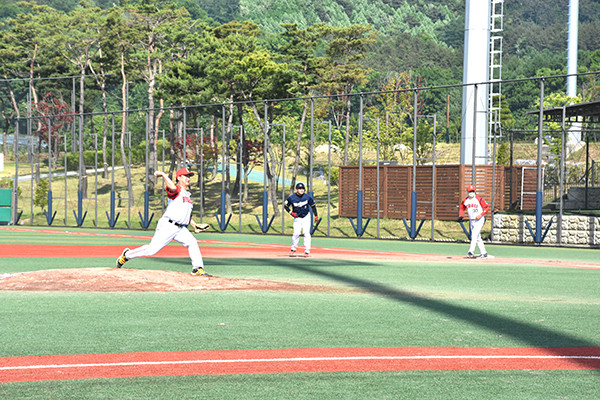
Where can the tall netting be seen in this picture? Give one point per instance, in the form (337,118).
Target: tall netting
(383,164)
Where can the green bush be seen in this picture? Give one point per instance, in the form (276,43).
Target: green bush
(503,154)
(40,197)
(138,153)
(7,183)
(138,156)
(88,159)
(333,176)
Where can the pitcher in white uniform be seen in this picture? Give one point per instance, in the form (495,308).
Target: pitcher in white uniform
(173,224)
(476,208)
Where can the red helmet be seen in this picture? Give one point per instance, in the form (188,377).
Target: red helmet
(471,188)
(183,171)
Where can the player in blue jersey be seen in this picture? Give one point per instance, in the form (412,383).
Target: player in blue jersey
(299,205)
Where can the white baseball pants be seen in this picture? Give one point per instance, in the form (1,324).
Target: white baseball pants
(302,225)
(476,227)
(165,232)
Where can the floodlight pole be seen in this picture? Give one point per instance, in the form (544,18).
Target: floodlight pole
(474,150)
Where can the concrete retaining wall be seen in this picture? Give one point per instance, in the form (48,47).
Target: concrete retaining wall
(576,230)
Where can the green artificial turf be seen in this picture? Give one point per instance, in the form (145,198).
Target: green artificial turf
(422,385)
(365,303)
(73,323)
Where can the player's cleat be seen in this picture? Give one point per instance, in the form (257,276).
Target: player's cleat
(306,254)
(292,253)
(199,272)
(122,259)
(484,255)
(470,255)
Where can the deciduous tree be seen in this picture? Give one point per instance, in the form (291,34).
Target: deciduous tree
(342,71)
(77,40)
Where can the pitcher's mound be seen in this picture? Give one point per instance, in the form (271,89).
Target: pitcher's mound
(133,280)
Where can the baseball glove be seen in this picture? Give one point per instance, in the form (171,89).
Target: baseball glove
(201,228)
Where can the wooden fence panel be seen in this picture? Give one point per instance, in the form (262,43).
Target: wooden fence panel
(528,184)
(448,192)
(450,184)
(512,188)
(423,188)
(348,183)
(370,192)
(399,186)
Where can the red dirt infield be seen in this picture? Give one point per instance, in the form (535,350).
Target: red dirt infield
(257,250)
(121,365)
(229,249)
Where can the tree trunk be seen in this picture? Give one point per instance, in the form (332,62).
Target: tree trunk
(271,177)
(34,99)
(151,161)
(172,140)
(4,137)
(101,81)
(245,192)
(243,160)
(199,156)
(213,143)
(17,113)
(124,121)
(104,144)
(153,148)
(197,150)
(299,147)
(347,138)
(226,163)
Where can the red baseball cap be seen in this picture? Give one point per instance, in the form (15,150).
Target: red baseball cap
(183,171)
(471,188)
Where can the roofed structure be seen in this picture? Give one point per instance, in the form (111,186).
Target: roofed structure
(583,112)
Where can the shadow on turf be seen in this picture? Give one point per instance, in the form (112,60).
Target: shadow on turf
(533,335)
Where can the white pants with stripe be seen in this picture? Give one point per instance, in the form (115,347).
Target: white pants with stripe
(302,225)
(165,232)
(476,227)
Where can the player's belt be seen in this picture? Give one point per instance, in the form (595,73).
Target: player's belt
(178,224)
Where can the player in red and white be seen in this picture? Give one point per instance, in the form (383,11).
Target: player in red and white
(476,208)
(173,224)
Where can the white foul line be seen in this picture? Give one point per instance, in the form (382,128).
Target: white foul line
(295,359)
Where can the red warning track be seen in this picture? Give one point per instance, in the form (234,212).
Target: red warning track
(93,366)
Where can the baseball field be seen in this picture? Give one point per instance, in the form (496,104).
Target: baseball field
(359,319)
